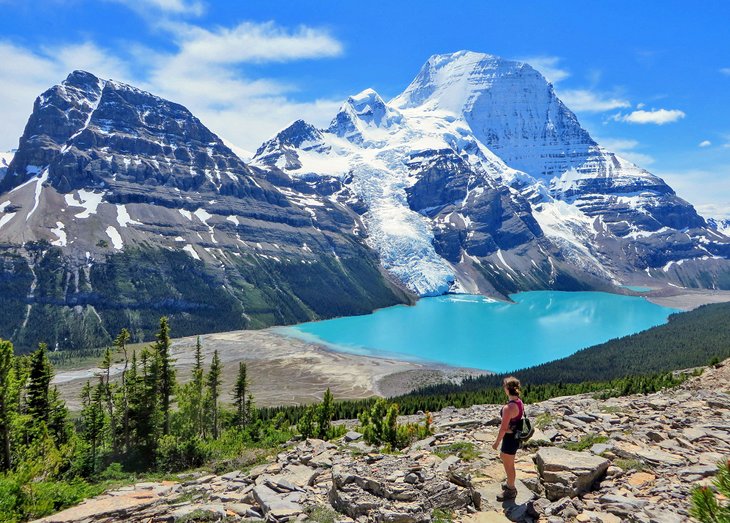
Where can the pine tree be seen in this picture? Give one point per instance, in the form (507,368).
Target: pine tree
(305,425)
(165,373)
(189,420)
(251,409)
(213,383)
(709,506)
(144,405)
(198,389)
(39,380)
(92,420)
(324,414)
(7,390)
(240,396)
(120,342)
(58,423)
(108,393)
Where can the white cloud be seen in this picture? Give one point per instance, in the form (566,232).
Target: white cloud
(584,100)
(654,116)
(725,71)
(626,148)
(578,100)
(705,143)
(708,190)
(205,72)
(250,42)
(169,7)
(548,66)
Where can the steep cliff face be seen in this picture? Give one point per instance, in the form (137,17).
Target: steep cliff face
(120,206)
(489,183)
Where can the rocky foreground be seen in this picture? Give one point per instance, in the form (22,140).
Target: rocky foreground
(634,458)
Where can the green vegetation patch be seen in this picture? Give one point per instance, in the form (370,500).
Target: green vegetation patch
(543,420)
(322,514)
(585,442)
(440,515)
(466,450)
(630,464)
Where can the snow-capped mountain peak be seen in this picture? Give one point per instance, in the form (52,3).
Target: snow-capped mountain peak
(364,114)
(452,82)
(477,146)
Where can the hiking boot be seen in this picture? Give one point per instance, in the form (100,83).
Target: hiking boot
(507,494)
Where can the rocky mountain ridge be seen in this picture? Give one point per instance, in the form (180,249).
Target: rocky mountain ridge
(119,200)
(633,458)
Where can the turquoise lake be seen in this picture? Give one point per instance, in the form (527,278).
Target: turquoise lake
(473,331)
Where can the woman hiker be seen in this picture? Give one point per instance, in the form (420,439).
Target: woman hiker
(511,413)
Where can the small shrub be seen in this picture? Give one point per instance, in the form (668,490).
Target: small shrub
(630,464)
(33,500)
(464,449)
(199,516)
(585,442)
(113,472)
(611,409)
(321,514)
(440,515)
(174,455)
(543,420)
(379,426)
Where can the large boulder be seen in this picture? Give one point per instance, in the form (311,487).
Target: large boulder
(567,473)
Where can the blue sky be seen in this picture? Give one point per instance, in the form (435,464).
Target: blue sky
(650,80)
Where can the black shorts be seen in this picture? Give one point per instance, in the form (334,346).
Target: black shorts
(510,444)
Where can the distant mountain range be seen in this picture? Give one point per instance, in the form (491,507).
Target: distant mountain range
(119,206)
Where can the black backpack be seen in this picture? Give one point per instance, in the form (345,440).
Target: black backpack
(523,428)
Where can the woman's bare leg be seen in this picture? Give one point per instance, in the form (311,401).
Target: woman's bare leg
(508,460)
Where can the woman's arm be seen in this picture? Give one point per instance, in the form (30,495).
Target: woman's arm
(507,414)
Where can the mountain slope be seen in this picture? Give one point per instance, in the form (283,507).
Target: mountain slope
(477,177)
(120,206)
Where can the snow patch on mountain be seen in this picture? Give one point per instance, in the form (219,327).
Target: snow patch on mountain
(123,217)
(191,251)
(59,231)
(115,237)
(6,216)
(88,200)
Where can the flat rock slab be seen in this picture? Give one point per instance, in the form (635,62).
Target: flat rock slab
(489,492)
(568,473)
(597,517)
(210,510)
(486,517)
(651,455)
(113,506)
(622,505)
(300,475)
(274,503)
(639,479)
